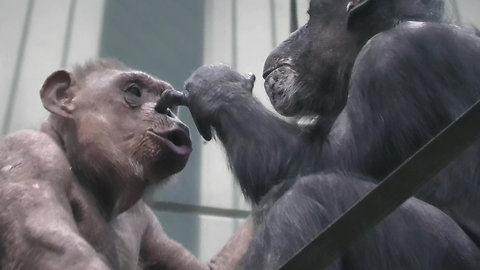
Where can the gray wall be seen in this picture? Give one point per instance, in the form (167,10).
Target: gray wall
(163,38)
(202,207)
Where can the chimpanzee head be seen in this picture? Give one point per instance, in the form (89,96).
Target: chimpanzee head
(308,74)
(105,116)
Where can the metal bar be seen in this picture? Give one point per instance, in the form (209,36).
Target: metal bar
(456,12)
(12,96)
(293,16)
(273,23)
(390,193)
(234,34)
(198,209)
(68,33)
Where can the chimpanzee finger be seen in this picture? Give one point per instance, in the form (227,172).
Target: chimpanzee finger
(250,81)
(171,98)
(204,129)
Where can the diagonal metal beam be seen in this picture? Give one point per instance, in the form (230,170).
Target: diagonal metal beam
(397,187)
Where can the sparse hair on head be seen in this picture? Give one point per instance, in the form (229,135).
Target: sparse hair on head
(80,72)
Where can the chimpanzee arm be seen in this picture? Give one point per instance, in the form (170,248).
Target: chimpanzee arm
(261,147)
(158,251)
(233,252)
(39,230)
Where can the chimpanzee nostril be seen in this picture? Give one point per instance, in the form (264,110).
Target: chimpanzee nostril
(169,112)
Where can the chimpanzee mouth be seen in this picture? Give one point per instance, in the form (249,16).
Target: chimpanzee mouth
(270,70)
(279,83)
(177,140)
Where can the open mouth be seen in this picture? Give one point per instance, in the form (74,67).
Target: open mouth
(177,140)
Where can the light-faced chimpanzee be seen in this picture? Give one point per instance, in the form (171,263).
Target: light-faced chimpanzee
(376,79)
(71,192)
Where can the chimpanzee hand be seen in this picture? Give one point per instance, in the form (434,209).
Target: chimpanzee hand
(208,90)
(212,88)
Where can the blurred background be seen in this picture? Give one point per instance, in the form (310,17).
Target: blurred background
(202,206)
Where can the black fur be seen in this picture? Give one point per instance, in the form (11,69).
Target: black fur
(376,87)
(396,105)
(415,236)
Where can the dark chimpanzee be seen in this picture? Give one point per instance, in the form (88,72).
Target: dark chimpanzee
(376,79)
(71,193)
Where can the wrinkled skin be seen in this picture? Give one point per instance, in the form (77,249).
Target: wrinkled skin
(376,79)
(71,192)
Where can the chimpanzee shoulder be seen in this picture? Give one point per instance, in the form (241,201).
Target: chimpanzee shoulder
(32,154)
(406,66)
(415,42)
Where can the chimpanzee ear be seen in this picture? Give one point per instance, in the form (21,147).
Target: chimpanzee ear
(56,94)
(354,7)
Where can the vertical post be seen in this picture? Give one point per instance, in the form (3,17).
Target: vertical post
(273,23)
(17,69)
(456,11)
(68,33)
(293,15)
(234,35)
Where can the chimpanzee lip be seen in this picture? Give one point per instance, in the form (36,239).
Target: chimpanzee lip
(278,65)
(175,139)
(277,86)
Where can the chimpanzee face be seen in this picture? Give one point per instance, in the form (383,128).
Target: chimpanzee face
(302,73)
(110,127)
(309,73)
(115,116)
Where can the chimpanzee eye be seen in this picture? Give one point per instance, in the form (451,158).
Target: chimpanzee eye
(133,96)
(134,90)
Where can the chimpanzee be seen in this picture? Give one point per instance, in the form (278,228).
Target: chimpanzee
(375,79)
(71,192)
(416,236)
